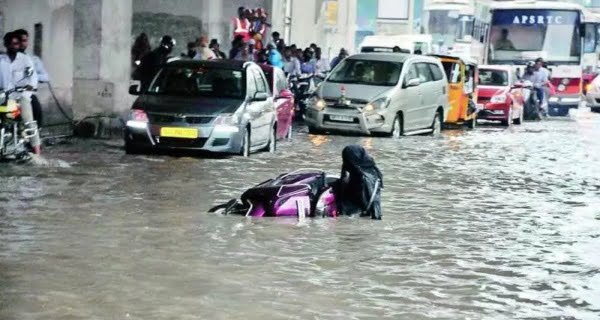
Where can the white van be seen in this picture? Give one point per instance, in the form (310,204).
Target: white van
(409,43)
(390,94)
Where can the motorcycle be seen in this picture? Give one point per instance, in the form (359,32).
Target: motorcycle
(302,87)
(302,193)
(14,137)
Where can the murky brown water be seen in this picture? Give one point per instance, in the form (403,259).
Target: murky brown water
(492,223)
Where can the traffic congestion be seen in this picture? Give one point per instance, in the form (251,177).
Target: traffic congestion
(444,173)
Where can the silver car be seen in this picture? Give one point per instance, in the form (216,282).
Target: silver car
(392,94)
(218,106)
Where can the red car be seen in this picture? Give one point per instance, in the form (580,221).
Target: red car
(284,100)
(497,96)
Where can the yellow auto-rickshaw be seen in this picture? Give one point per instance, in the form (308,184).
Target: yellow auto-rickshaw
(462,90)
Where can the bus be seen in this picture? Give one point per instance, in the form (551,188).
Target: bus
(451,23)
(522,31)
(591,47)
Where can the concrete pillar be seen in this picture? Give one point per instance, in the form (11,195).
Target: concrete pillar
(101,58)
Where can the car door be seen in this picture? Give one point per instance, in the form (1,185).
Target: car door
(252,107)
(412,99)
(265,108)
(438,87)
(428,97)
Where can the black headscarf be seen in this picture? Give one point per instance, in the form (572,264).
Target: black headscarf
(356,160)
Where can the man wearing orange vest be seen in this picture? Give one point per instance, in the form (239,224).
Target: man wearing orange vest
(241,25)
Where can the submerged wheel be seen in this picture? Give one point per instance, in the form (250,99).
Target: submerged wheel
(246,143)
(436,126)
(472,123)
(272,147)
(397,127)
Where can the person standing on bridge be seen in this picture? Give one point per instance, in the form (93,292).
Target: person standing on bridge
(241,25)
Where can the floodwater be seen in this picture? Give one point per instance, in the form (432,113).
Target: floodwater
(487,224)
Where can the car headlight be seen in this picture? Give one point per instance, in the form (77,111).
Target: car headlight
(138,119)
(498,99)
(318,103)
(378,104)
(561,87)
(227,119)
(565,81)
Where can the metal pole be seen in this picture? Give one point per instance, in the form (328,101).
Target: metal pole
(287,28)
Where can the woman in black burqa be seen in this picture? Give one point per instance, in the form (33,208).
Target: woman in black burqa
(359,188)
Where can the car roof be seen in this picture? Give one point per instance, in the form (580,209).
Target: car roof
(223,64)
(393,57)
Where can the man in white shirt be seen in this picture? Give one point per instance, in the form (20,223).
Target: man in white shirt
(14,67)
(204,52)
(40,70)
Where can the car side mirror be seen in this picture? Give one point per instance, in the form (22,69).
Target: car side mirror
(413,83)
(260,96)
(134,89)
(285,94)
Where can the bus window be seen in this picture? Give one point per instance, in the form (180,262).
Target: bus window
(589,40)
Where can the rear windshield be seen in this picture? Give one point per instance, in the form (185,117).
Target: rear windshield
(493,77)
(199,82)
(368,72)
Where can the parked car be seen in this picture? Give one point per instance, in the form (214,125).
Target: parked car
(500,97)
(218,106)
(284,100)
(592,96)
(383,93)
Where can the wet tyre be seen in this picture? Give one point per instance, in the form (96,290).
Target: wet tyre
(246,143)
(272,146)
(397,127)
(436,126)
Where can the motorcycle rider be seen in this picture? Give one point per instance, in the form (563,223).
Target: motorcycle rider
(14,67)
(40,70)
(153,61)
(291,64)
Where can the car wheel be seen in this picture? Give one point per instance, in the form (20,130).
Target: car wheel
(290,131)
(472,123)
(519,120)
(436,126)
(397,127)
(509,118)
(246,143)
(272,146)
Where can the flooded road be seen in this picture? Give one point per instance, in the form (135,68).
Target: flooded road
(493,223)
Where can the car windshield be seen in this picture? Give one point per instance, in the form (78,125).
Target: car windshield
(493,77)
(368,72)
(199,81)
(519,36)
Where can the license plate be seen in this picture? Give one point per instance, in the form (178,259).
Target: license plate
(186,133)
(498,112)
(341,118)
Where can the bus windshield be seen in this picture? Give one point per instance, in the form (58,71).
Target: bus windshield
(518,36)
